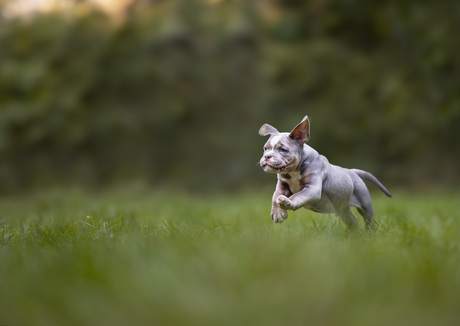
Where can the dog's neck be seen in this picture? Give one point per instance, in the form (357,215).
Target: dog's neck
(307,155)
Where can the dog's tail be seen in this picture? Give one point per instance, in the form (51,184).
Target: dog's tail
(367,176)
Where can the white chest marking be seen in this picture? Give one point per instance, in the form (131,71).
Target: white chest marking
(293,181)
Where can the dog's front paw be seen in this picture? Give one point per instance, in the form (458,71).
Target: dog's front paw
(278,215)
(284,202)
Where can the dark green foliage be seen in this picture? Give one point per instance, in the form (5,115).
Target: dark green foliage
(177,91)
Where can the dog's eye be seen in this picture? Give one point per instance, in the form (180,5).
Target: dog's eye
(283,150)
(265,148)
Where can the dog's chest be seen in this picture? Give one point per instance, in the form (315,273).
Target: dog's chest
(293,180)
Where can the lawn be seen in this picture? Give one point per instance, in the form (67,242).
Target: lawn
(134,257)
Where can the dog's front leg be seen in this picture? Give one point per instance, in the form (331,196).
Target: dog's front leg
(279,214)
(310,194)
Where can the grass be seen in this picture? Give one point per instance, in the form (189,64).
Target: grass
(140,258)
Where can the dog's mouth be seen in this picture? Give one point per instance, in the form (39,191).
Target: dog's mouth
(272,168)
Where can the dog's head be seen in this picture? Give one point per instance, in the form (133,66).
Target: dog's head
(283,150)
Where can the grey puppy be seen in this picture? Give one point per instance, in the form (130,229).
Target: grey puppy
(307,179)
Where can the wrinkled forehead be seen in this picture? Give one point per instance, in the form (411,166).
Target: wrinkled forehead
(281,139)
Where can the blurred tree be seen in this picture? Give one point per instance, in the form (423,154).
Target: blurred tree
(176,91)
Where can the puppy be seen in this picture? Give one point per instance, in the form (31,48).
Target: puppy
(307,179)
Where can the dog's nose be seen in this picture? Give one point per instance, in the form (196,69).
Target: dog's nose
(267,156)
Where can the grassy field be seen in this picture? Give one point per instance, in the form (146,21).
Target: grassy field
(140,258)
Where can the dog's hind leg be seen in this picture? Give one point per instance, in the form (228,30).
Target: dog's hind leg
(362,201)
(348,218)
(368,217)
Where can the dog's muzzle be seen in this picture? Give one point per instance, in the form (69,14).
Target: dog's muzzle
(271,166)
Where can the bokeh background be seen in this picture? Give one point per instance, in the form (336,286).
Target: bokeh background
(172,93)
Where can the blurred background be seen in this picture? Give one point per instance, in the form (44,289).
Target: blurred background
(101,92)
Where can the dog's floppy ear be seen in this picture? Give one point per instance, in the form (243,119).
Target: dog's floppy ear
(301,133)
(266,130)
